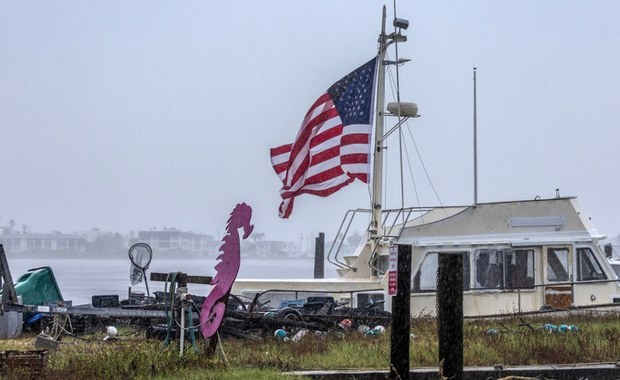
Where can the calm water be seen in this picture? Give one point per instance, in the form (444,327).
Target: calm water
(80,279)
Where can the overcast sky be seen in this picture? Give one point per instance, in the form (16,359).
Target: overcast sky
(127,115)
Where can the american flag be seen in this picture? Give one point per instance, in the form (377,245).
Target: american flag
(332,147)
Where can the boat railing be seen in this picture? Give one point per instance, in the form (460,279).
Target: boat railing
(392,225)
(340,237)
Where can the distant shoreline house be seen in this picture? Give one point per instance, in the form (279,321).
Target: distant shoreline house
(22,242)
(172,239)
(167,241)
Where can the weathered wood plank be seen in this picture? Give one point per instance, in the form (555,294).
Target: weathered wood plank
(183,278)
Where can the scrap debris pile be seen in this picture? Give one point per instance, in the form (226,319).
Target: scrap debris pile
(162,313)
(319,314)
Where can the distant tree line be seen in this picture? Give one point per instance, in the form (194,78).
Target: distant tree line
(108,243)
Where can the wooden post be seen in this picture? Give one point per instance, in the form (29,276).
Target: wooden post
(401,317)
(11,321)
(6,280)
(319,256)
(450,314)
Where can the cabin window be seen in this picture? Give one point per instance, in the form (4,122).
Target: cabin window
(425,279)
(504,268)
(382,263)
(520,269)
(588,268)
(557,264)
(616,268)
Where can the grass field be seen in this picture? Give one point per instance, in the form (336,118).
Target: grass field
(511,341)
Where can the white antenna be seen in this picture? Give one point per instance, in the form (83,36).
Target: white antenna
(475,146)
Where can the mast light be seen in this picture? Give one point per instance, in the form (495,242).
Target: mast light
(401,23)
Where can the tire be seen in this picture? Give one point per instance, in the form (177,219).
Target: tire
(289,313)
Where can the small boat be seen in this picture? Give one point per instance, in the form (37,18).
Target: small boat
(519,256)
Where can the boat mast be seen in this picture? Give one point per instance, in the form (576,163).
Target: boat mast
(377,175)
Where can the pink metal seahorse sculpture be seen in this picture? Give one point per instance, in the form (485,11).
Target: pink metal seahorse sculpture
(214,305)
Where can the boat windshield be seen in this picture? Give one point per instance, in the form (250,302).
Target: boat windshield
(616,268)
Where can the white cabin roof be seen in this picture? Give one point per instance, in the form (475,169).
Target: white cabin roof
(541,221)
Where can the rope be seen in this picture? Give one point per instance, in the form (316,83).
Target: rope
(169,296)
(170,290)
(190,323)
(59,326)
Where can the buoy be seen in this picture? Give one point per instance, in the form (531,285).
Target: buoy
(550,328)
(573,328)
(280,334)
(563,328)
(111,332)
(492,332)
(362,329)
(378,330)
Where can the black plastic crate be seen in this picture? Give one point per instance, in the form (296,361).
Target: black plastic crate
(106,301)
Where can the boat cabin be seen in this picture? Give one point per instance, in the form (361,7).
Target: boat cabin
(518,256)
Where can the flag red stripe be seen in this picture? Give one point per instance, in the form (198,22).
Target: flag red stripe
(326,135)
(325,155)
(303,148)
(309,123)
(356,138)
(324,176)
(281,167)
(321,193)
(281,149)
(354,159)
(361,176)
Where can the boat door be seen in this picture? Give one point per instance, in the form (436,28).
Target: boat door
(558,273)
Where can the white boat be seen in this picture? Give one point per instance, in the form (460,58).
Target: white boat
(518,256)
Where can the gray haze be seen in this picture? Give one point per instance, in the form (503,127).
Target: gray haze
(129,115)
